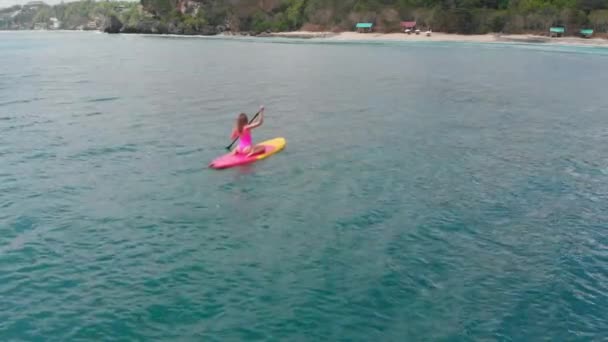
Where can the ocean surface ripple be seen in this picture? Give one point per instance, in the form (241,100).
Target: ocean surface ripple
(428,191)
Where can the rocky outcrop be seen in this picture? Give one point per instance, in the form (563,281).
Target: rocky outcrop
(208,30)
(146,26)
(111,24)
(176,27)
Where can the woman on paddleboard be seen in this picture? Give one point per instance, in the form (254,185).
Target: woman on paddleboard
(242,130)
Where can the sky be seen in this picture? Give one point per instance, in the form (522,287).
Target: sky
(9,3)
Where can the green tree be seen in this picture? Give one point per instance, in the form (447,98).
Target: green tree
(43,15)
(295,13)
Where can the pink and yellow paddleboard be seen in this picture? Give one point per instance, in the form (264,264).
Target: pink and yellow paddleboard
(229,160)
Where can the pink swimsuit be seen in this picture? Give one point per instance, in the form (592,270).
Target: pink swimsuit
(244,140)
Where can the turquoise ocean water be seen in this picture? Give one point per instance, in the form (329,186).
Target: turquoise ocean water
(428,192)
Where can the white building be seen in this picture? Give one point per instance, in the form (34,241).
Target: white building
(55,23)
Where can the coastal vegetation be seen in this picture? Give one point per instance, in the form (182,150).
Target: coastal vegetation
(259,16)
(75,15)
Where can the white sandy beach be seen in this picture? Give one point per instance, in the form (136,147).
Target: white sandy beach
(444,37)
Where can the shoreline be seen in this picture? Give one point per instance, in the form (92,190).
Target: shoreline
(442,37)
(383,37)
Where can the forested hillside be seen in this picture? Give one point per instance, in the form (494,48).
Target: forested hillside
(255,16)
(68,16)
(458,16)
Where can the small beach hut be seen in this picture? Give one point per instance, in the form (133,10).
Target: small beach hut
(408,26)
(364,27)
(586,33)
(557,31)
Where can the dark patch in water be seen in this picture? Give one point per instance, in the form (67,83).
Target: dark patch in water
(365,219)
(188,152)
(104,99)
(41,155)
(105,150)
(20,101)
(23,223)
(30,75)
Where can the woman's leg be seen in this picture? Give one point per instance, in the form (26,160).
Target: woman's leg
(256,150)
(238,150)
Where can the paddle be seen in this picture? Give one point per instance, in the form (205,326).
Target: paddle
(250,121)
